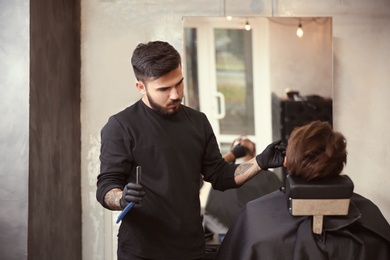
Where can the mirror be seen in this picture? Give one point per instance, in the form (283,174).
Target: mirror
(239,77)
(233,74)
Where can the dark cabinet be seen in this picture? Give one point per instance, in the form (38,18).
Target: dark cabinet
(288,113)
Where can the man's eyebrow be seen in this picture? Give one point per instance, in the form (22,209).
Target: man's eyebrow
(178,83)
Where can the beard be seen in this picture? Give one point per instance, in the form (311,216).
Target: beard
(163,111)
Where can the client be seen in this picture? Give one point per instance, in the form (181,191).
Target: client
(265,229)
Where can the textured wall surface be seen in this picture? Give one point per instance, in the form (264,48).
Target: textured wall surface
(111,30)
(14,117)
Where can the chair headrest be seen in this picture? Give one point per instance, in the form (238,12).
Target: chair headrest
(338,187)
(319,198)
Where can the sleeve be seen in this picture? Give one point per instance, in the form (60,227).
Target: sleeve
(214,168)
(115,159)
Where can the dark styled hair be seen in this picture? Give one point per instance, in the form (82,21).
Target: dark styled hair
(154,59)
(316,151)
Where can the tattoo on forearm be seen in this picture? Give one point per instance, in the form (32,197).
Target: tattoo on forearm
(112,199)
(242,168)
(245,168)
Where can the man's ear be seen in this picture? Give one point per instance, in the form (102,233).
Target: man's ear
(285,161)
(140,86)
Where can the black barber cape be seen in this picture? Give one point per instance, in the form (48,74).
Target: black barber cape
(265,229)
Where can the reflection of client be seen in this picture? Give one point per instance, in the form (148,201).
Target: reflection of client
(223,207)
(265,229)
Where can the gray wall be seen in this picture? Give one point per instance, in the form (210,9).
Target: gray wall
(40,130)
(14,134)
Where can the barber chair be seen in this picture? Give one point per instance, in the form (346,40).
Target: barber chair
(319,198)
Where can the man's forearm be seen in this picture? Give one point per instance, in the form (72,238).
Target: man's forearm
(111,199)
(244,172)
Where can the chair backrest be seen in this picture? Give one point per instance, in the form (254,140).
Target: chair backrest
(319,198)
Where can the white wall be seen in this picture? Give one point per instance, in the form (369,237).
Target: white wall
(112,29)
(301,64)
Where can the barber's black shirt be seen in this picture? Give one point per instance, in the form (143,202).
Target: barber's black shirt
(173,153)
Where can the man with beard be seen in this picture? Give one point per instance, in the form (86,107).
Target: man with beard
(174,145)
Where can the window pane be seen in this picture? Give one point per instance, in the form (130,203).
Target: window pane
(235,80)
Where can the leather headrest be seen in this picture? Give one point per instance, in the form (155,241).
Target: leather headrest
(338,187)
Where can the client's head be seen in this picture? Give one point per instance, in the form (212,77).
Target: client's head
(315,151)
(249,146)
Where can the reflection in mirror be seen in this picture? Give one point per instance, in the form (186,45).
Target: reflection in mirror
(233,79)
(259,82)
(238,76)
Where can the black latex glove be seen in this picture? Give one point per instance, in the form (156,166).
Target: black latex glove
(272,156)
(238,151)
(132,192)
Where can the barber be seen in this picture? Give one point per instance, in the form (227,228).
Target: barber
(173,144)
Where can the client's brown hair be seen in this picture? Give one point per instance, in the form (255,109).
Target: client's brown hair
(316,151)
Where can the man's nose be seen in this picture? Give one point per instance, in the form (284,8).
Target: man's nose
(174,94)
